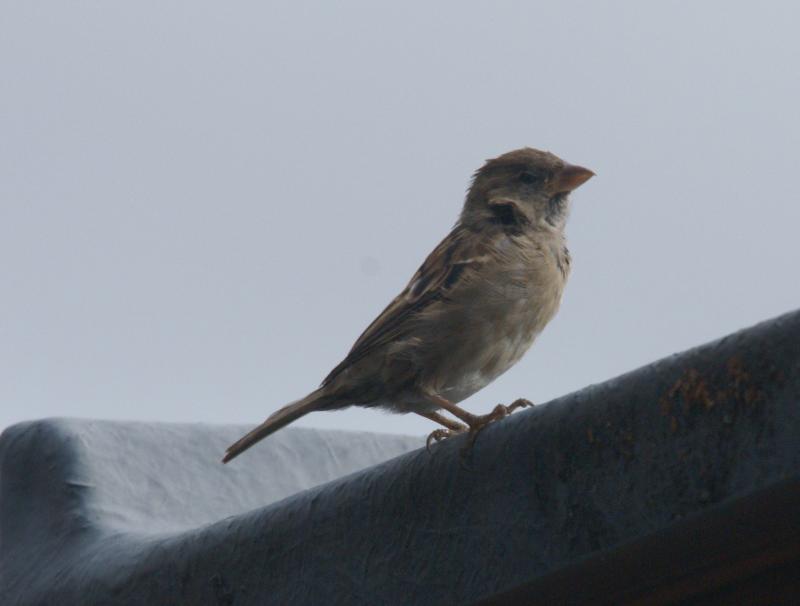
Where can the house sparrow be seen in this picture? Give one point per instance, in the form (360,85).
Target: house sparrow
(470,312)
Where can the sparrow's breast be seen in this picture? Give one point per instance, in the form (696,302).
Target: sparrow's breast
(497,319)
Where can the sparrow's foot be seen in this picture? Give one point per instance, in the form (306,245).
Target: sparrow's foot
(519,403)
(475,423)
(479,423)
(438,435)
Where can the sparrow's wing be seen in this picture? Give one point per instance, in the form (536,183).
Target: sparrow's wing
(438,275)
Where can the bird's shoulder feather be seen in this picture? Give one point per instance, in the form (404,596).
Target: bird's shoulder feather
(461,252)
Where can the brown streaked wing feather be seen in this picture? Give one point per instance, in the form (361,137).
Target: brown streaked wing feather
(435,277)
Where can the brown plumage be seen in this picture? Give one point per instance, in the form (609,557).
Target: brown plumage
(472,309)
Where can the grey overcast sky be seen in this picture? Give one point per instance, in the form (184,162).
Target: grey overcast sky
(202,204)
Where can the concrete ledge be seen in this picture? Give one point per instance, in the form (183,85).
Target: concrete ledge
(546,491)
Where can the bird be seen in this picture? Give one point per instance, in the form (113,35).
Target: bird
(469,313)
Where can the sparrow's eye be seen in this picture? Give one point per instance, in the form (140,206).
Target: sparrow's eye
(528,178)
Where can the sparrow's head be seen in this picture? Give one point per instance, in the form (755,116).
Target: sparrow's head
(525,187)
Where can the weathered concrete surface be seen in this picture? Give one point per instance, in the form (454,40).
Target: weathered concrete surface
(99,513)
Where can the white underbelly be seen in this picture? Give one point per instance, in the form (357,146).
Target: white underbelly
(498,358)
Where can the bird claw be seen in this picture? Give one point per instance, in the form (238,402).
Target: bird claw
(519,403)
(501,411)
(438,435)
(476,425)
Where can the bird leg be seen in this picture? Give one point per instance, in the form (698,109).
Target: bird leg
(501,411)
(453,428)
(476,423)
(443,420)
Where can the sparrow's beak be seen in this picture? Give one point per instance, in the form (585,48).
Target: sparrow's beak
(568,178)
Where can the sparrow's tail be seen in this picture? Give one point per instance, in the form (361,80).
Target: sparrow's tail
(278,420)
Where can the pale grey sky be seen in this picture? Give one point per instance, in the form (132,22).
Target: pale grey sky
(202,204)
